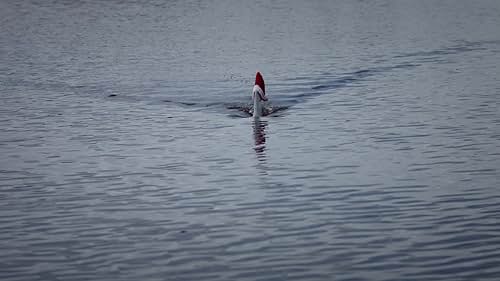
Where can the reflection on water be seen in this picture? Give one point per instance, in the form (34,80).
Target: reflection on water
(259,135)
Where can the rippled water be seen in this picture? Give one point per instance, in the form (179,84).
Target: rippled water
(125,154)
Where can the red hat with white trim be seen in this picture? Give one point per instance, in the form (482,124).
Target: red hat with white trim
(260,81)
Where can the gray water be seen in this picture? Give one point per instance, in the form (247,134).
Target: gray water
(125,153)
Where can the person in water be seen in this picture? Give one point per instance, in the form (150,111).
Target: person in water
(259,96)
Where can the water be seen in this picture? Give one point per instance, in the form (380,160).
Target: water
(125,154)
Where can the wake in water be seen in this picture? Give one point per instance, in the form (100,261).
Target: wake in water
(260,103)
(246,110)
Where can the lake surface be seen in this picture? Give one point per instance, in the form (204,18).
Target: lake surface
(125,155)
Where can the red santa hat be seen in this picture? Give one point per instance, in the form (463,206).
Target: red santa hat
(260,81)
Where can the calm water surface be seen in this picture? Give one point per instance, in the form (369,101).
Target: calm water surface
(125,156)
